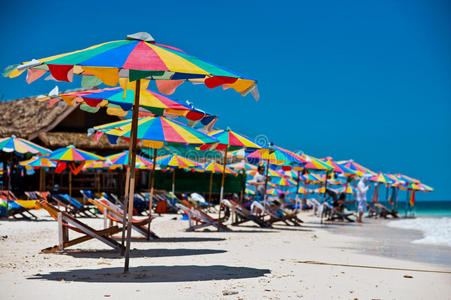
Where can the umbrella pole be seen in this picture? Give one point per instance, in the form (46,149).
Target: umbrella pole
(211,185)
(266,178)
(70,186)
(173,181)
(221,194)
(124,217)
(152,182)
(132,171)
(297,193)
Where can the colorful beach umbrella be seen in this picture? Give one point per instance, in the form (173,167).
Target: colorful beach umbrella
(19,145)
(38,162)
(133,63)
(138,57)
(242,165)
(382,178)
(214,167)
(122,159)
(118,101)
(155,132)
(360,170)
(70,155)
(176,161)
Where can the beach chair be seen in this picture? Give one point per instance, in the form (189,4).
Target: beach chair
(115,214)
(332,214)
(384,212)
(73,206)
(199,201)
(67,222)
(242,215)
(19,208)
(280,215)
(199,219)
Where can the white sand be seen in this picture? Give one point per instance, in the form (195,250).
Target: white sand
(256,263)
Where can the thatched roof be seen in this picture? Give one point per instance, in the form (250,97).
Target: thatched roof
(80,140)
(28,117)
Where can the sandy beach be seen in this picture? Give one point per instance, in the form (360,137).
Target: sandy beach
(349,262)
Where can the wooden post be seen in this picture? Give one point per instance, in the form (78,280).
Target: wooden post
(266,179)
(70,187)
(60,232)
(173,181)
(152,188)
(132,171)
(211,185)
(221,193)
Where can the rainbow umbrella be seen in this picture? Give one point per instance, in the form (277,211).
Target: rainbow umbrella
(132,63)
(176,161)
(301,190)
(214,167)
(39,162)
(282,181)
(96,165)
(122,159)
(342,169)
(15,144)
(155,131)
(274,192)
(382,178)
(314,163)
(359,169)
(229,140)
(242,165)
(118,101)
(271,172)
(249,191)
(70,154)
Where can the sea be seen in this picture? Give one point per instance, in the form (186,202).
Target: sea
(432,218)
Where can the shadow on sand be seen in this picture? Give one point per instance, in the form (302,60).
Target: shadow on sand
(154,274)
(136,253)
(175,239)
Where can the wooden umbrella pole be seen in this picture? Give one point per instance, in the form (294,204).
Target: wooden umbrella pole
(132,171)
(173,181)
(152,188)
(152,184)
(266,178)
(297,192)
(211,185)
(221,194)
(70,186)
(125,202)
(41,181)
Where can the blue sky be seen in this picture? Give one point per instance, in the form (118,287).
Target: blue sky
(368,80)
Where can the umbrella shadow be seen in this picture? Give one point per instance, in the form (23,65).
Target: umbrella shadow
(180,239)
(137,253)
(154,274)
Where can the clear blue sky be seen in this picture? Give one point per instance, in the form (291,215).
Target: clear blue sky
(368,80)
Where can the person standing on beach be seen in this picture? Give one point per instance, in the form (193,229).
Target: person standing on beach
(259,182)
(362,188)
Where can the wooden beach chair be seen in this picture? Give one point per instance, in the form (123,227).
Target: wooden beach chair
(280,215)
(332,214)
(242,215)
(115,214)
(73,206)
(199,219)
(19,208)
(67,222)
(383,212)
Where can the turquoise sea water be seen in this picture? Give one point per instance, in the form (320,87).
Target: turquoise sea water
(431,209)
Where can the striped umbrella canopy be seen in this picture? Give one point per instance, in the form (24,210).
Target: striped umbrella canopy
(242,165)
(312,177)
(176,161)
(249,191)
(138,57)
(18,145)
(38,162)
(72,154)
(123,157)
(118,101)
(282,181)
(274,192)
(347,189)
(422,187)
(96,165)
(360,170)
(232,140)
(240,153)
(382,178)
(155,131)
(214,167)
(407,179)
(342,169)
(302,190)
(271,172)
(314,163)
